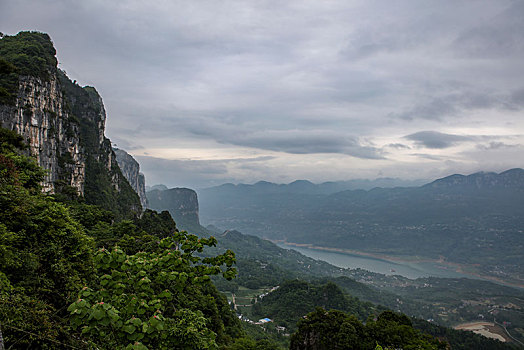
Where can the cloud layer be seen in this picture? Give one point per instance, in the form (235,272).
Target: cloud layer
(324,90)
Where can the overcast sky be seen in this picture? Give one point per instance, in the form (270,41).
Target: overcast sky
(207,92)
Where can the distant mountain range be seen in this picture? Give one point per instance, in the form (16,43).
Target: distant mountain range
(305,186)
(476,220)
(511,179)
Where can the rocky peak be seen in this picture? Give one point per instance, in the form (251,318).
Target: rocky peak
(62,122)
(41,116)
(182,204)
(159,187)
(131,171)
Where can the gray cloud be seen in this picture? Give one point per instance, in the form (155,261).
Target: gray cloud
(442,107)
(438,140)
(435,109)
(427,156)
(435,139)
(495,145)
(398,146)
(500,36)
(517,98)
(306,142)
(193,173)
(232,130)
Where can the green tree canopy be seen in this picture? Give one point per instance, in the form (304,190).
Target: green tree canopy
(148,299)
(334,329)
(45,256)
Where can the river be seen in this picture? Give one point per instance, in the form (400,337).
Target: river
(406,269)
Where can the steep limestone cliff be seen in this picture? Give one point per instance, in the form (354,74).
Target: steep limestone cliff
(131,170)
(38,112)
(63,123)
(182,204)
(105,185)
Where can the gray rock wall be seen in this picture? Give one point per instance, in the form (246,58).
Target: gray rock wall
(41,117)
(131,171)
(182,204)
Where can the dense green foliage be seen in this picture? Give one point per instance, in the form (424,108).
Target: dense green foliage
(24,54)
(247,343)
(134,235)
(8,82)
(265,338)
(32,53)
(46,258)
(155,298)
(256,274)
(50,246)
(336,330)
(294,299)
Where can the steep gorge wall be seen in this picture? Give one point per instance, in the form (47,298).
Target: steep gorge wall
(182,204)
(131,170)
(41,117)
(105,185)
(63,123)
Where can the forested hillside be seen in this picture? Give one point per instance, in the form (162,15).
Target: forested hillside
(64,282)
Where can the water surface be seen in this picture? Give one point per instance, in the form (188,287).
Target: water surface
(406,269)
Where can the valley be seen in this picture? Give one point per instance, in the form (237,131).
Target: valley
(476,220)
(486,329)
(427,288)
(410,267)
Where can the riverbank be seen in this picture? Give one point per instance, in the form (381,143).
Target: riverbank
(486,329)
(465,270)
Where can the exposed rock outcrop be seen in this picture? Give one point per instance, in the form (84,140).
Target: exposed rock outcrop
(182,204)
(63,123)
(131,170)
(41,117)
(159,187)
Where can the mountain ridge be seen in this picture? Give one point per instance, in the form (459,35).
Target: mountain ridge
(513,177)
(306,186)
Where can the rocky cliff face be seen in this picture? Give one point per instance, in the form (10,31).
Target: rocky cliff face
(105,185)
(63,123)
(182,204)
(41,117)
(131,171)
